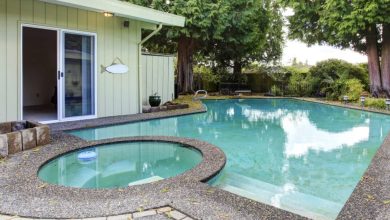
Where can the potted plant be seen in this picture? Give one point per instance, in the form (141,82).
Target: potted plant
(155,100)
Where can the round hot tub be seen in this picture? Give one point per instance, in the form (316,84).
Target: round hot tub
(120,165)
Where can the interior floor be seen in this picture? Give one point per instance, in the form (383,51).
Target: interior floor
(40,113)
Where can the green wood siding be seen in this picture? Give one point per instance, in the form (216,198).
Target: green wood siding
(3,61)
(116,94)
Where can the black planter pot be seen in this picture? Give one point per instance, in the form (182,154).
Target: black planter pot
(154,100)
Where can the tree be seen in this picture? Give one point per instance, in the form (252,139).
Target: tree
(249,31)
(223,31)
(200,16)
(359,24)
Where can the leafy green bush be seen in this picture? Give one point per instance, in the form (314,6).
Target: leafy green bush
(330,76)
(280,76)
(205,78)
(300,84)
(275,90)
(375,103)
(353,89)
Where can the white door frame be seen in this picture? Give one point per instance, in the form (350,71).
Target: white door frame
(60,68)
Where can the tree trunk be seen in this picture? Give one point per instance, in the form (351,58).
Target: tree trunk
(237,70)
(385,60)
(185,75)
(373,61)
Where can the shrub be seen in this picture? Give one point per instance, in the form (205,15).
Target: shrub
(300,84)
(258,78)
(375,103)
(329,76)
(275,90)
(353,89)
(205,78)
(280,76)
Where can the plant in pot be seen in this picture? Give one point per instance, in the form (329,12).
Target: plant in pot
(155,100)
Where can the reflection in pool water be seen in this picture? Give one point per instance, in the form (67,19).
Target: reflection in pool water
(302,136)
(299,156)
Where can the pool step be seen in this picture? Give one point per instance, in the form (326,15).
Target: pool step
(282,197)
(147,180)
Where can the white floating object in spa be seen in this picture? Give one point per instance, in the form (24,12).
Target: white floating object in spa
(87,156)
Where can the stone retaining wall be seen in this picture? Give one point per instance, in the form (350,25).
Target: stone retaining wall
(18,136)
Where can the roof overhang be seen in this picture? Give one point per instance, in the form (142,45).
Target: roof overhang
(124,9)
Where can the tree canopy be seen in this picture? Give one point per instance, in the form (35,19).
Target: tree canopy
(226,32)
(249,31)
(357,24)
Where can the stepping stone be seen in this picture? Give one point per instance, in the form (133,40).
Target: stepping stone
(176,215)
(154,217)
(164,209)
(120,217)
(143,214)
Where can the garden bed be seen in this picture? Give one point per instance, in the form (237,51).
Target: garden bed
(165,107)
(19,136)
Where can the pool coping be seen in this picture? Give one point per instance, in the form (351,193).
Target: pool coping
(370,198)
(124,119)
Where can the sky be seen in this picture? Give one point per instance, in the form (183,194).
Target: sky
(315,53)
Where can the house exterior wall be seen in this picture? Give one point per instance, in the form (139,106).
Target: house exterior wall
(158,76)
(117,94)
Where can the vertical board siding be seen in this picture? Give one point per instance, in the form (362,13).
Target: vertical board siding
(62,16)
(92,21)
(101,111)
(116,94)
(82,19)
(135,37)
(149,77)
(117,78)
(171,78)
(158,76)
(13,14)
(3,62)
(72,18)
(27,10)
(109,53)
(51,14)
(39,12)
(125,78)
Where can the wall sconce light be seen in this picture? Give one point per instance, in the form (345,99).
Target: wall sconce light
(108,14)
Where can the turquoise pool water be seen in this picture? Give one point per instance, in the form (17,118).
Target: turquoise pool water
(120,165)
(299,156)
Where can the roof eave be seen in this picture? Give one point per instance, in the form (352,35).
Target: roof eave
(124,9)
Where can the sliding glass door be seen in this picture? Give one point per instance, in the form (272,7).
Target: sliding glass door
(78,75)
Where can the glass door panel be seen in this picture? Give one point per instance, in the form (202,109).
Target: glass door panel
(78,75)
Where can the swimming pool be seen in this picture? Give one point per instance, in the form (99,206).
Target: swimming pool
(299,156)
